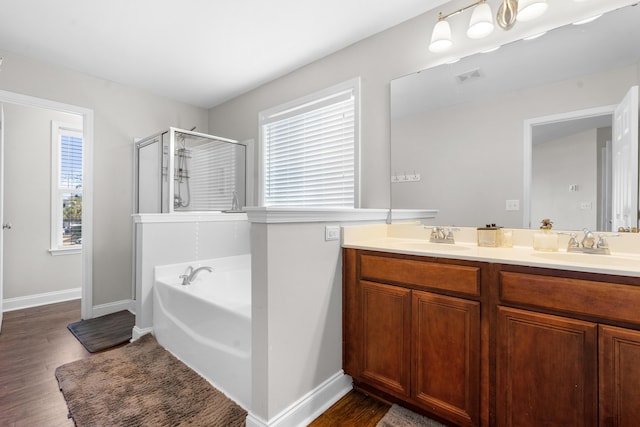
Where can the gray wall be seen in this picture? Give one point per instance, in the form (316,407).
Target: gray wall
(121,114)
(27,174)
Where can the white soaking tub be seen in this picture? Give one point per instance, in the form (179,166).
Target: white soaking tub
(207,324)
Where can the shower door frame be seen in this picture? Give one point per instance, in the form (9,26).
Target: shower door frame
(171,131)
(171,159)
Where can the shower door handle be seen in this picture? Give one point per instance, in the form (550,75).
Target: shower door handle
(6,226)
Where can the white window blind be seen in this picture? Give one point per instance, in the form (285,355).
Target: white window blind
(310,152)
(70,160)
(66,207)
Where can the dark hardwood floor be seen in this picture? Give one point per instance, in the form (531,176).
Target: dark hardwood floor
(35,341)
(353,410)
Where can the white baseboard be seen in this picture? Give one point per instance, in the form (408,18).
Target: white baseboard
(18,303)
(138,332)
(308,407)
(113,307)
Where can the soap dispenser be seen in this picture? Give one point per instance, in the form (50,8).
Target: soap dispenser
(545,239)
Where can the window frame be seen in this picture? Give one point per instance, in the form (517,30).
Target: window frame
(57,130)
(306,103)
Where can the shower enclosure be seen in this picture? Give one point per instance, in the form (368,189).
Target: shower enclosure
(203,173)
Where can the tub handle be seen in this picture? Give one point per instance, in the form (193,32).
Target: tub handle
(186,275)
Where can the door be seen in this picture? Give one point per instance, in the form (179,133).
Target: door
(386,343)
(624,177)
(446,347)
(619,352)
(546,370)
(1,205)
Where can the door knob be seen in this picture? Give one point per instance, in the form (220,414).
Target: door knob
(7,226)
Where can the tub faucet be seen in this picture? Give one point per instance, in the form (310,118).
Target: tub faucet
(190,275)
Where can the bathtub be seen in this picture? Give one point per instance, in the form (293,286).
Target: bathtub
(207,324)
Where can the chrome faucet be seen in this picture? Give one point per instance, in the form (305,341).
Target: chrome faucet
(190,275)
(442,235)
(589,244)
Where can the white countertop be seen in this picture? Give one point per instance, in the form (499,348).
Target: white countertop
(376,238)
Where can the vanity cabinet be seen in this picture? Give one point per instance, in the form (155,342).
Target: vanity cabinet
(569,353)
(412,331)
(489,344)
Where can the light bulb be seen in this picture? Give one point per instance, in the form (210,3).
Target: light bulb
(441,37)
(531,9)
(481,23)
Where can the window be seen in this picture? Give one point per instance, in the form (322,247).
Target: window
(66,188)
(310,150)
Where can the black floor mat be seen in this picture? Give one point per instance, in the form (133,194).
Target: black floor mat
(104,332)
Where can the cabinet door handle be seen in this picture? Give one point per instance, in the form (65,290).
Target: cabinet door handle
(6,226)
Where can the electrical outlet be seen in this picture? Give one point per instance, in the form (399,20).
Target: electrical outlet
(513,205)
(331,232)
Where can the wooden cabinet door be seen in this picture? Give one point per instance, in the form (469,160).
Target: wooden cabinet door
(546,370)
(446,349)
(619,356)
(386,337)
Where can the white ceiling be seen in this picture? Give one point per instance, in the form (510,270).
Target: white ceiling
(202,52)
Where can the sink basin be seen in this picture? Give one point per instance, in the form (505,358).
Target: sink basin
(601,260)
(429,247)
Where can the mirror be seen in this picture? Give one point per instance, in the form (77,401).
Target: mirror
(463,134)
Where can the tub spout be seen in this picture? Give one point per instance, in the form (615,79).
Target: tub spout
(191,273)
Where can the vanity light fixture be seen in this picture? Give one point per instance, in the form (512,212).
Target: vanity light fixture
(441,37)
(481,23)
(530,9)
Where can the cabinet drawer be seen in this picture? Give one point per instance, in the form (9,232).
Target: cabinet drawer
(457,278)
(583,297)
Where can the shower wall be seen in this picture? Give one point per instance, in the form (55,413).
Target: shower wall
(209,173)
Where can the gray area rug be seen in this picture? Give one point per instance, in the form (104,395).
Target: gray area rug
(142,384)
(398,416)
